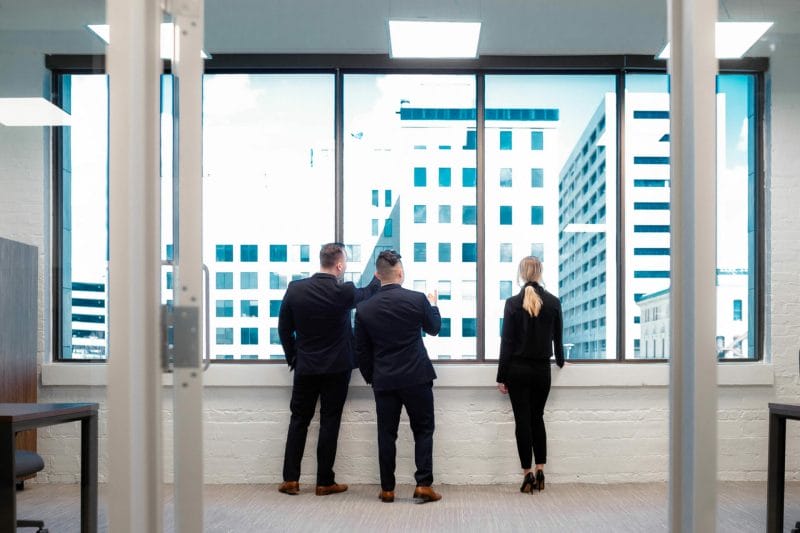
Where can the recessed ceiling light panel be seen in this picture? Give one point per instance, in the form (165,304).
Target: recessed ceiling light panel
(429,39)
(31,112)
(732,39)
(167,40)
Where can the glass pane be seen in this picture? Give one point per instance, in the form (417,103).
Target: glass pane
(648,216)
(268,151)
(167,185)
(412,136)
(736,217)
(84,236)
(647,230)
(54,235)
(550,192)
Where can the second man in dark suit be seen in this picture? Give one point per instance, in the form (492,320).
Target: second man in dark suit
(314,328)
(393,358)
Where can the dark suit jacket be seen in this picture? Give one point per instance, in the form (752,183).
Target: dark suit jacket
(527,338)
(314,323)
(391,354)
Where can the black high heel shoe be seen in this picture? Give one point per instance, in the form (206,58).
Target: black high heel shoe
(539,484)
(528,483)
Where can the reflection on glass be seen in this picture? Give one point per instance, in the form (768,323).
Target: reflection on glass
(550,149)
(413,137)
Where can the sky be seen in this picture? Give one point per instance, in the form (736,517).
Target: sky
(268,143)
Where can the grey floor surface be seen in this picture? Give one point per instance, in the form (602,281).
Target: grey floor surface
(561,507)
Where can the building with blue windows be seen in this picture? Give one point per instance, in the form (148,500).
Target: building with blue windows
(586,243)
(587,237)
(439,187)
(246,294)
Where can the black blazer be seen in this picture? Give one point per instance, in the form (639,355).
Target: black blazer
(391,354)
(314,323)
(527,338)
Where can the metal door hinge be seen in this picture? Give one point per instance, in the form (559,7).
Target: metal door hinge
(180,326)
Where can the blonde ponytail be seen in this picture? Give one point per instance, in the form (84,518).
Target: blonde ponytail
(531,301)
(530,271)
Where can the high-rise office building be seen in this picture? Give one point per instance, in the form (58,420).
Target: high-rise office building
(440,195)
(587,271)
(587,185)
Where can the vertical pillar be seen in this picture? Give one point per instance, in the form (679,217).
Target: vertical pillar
(693,361)
(134,377)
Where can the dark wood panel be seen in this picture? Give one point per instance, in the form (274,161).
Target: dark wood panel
(19,321)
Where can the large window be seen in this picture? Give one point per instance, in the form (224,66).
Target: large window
(410,135)
(412,181)
(647,208)
(268,175)
(565,128)
(83,278)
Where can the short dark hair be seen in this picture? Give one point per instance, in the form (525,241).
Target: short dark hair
(331,253)
(386,261)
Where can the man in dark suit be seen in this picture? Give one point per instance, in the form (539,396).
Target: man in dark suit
(392,357)
(315,331)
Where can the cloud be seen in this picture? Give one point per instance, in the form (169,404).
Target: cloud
(742,145)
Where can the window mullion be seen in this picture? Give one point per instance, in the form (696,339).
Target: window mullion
(480,200)
(620,332)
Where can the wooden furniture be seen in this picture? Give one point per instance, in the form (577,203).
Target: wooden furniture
(15,417)
(19,324)
(776,462)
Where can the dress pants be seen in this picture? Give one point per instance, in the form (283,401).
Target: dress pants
(331,389)
(528,387)
(418,401)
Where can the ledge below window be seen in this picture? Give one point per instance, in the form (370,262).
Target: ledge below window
(468,375)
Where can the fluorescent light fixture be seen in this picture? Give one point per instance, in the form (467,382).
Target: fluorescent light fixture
(434,39)
(732,39)
(101,30)
(167,40)
(585,228)
(31,112)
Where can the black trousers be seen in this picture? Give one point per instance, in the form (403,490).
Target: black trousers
(331,389)
(528,387)
(418,401)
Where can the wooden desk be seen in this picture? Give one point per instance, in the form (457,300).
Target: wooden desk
(776,462)
(16,417)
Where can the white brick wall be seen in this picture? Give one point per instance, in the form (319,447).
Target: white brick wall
(596,434)
(783,259)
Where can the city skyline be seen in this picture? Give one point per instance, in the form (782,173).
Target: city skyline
(264,208)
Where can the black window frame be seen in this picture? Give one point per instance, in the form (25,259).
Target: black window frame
(340,65)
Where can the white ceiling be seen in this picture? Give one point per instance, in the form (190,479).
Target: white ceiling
(510,27)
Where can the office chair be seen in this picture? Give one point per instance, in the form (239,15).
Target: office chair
(26,465)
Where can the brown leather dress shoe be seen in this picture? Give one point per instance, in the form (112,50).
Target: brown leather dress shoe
(386,496)
(426,494)
(290,487)
(330,489)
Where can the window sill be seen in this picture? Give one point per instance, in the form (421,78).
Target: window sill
(477,375)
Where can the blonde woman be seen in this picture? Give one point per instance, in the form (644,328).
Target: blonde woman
(532,333)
